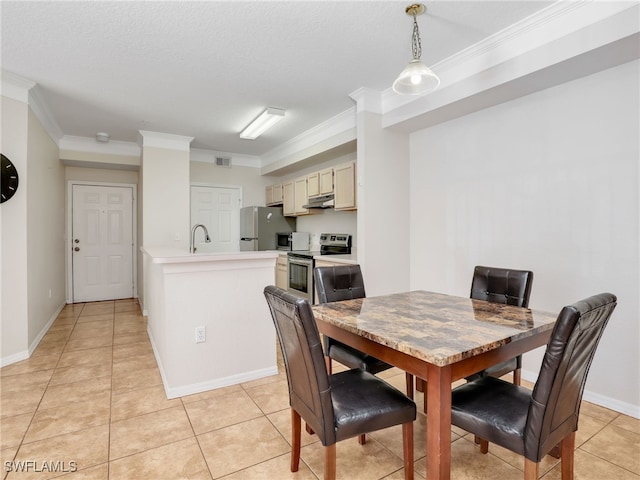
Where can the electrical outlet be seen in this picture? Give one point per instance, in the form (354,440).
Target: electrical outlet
(200,334)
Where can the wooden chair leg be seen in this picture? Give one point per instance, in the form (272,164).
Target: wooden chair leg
(295,440)
(308,429)
(484,445)
(567,450)
(407,447)
(517,376)
(327,362)
(409,382)
(424,397)
(419,384)
(330,462)
(530,470)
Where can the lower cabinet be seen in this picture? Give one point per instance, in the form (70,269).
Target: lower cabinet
(281,272)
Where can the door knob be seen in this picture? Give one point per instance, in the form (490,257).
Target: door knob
(76,241)
(77,249)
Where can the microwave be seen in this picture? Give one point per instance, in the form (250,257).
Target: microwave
(292,241)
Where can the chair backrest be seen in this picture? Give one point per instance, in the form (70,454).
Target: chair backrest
(309,386)
(555,400)
(501,285)
(341,282)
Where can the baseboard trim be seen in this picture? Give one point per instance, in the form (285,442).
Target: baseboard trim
(175,392)
(597,399)
(25,354)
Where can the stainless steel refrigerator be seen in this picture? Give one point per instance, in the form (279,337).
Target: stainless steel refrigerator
(259,225)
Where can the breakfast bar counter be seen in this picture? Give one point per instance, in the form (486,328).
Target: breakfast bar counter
(218,296)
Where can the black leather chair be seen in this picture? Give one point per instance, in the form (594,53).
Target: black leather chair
(510,287)
(344,282)
(506,286)
(339,406)
(531,423)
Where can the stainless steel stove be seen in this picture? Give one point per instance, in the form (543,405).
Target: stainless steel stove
(301,263)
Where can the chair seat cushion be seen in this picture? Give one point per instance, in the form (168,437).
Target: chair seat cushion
(354,358)
(492,409)
(364,403)
(497,370)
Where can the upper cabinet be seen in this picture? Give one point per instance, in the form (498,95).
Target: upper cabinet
(274,195)
(288,199)
(320,183)
(301,197)
(293,194)
(345,186)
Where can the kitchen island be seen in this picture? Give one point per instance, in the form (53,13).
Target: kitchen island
(221,292)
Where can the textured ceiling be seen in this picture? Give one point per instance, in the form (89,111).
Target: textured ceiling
(206,69)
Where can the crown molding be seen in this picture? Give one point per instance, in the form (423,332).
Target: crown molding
(42,113)
(16,87)
(367,100)
(339,124)
(165,140)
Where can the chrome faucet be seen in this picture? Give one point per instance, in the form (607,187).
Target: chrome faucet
(207,239)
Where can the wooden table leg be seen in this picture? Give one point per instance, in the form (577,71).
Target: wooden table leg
(438,391)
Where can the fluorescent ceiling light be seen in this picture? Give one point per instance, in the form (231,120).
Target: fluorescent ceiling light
(265,120)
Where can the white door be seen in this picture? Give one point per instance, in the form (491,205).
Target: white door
(218,209)
(102,242)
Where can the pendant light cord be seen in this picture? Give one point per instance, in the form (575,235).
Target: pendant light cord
(416,45)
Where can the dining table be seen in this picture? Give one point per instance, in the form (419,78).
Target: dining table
(439,338)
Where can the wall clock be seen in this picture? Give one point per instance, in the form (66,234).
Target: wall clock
(8,179)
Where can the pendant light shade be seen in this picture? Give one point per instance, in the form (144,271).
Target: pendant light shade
(416,78)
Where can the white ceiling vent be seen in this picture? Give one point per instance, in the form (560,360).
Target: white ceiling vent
(223,162)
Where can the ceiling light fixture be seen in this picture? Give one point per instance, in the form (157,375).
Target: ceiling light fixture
(416,78)
(264,121)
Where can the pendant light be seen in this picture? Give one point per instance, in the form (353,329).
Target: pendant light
(416,78)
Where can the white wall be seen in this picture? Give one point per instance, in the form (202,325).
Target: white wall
(45,231)
(165,197)
(383,206)
(13,308)
(547,182)
(253,184)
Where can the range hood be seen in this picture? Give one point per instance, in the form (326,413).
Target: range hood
(323,201)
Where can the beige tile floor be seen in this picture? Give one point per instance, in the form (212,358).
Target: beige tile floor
(91,399)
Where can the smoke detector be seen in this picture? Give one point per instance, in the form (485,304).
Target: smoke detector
(102,137)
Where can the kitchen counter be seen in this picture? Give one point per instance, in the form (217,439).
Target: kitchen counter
(174,255)
(220,293)
(348,259)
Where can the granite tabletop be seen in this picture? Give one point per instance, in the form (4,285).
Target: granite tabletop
(437,328)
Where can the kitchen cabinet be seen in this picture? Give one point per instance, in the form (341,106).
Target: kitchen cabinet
(301,197)
(345,186)
(320,183)
(274,195)
(281,272)
(288,199)
(313,184)
(326,181)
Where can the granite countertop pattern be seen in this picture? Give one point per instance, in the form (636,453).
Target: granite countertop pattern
(437,328)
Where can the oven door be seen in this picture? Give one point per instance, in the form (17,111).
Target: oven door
(300,277)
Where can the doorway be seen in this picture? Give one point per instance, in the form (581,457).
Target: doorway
(102,242)
(218,209)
